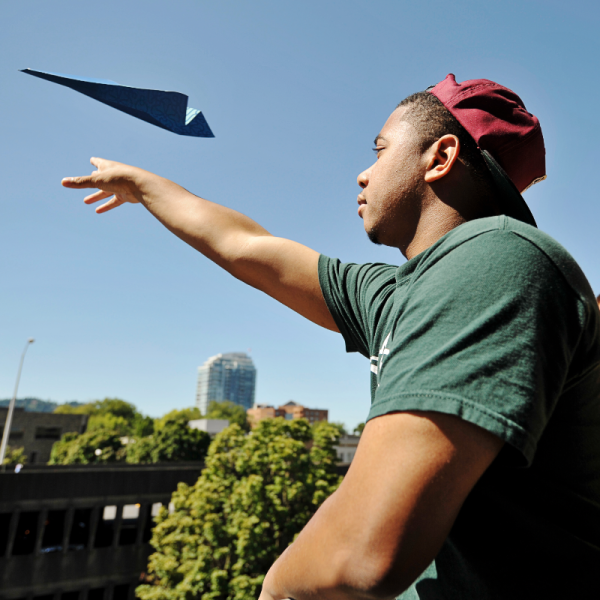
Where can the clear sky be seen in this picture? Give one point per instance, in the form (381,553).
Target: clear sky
(295,92)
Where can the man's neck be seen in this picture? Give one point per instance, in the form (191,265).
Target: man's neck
(432,226)
(443,211)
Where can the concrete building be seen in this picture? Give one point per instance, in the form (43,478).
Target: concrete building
(211,426)
(230,376)
(36,432)
(346,448)
(291,410)
(81,532)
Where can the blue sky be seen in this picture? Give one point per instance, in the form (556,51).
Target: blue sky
(295,93)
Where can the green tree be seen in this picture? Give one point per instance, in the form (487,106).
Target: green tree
(256,493)
(139,450)
(109,422)
(183,414)
(359,429)
(14,456)
(234,413)
(97,446)
(174,441)
(114,406)
(142,426)
(112,414)
(341,426)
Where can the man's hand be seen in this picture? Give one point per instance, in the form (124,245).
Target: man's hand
(112,179)
(387,521)
(285,270)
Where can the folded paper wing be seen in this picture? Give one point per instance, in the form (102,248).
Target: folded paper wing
(168,110)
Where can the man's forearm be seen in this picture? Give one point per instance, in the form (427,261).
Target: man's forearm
(284,269)
(218,232)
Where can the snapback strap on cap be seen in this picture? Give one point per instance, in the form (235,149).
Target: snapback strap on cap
(512,201)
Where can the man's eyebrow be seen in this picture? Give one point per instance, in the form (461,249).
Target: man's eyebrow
(378,139)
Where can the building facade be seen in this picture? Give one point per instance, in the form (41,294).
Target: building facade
(211,426)
(81,532)
(346,448)
(291,410)
(36,432)
(230,376)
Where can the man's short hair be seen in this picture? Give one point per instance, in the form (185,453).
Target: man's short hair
(432,120)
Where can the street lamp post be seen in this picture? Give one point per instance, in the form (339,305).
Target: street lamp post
(11,408)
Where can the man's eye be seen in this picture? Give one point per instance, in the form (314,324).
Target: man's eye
(377,150)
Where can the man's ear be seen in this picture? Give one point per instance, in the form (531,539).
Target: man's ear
(441,157)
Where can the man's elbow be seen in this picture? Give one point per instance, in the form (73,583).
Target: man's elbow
(374,575)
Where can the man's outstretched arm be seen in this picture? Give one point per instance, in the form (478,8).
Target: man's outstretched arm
(284,269)
(387,521)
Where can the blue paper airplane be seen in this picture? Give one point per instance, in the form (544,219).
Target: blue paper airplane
(168,110)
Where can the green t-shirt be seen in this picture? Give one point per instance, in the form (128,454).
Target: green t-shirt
(496,324)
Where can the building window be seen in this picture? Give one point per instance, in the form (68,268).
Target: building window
(4,525)
(80,529)
(26,529)
(47,433)
(15,435)
(106,527)
(121,592)
(53,531)
(128,533)
(149,525)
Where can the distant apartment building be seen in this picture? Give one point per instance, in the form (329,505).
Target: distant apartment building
(291,410)
(211,426)
(230,376)
(36,432)
(346,448)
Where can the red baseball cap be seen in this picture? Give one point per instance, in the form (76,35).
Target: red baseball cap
(509,137)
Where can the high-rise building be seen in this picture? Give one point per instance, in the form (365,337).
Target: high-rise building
(230,376)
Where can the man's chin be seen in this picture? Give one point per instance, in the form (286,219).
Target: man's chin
(372,235)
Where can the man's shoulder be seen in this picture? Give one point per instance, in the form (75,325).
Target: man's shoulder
(507,232)
(501,244)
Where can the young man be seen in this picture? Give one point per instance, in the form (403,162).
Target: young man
(478,472)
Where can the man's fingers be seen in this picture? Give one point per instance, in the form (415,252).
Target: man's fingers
(101,163)
(100,195)
(112,203)
(79,182)
(89,180)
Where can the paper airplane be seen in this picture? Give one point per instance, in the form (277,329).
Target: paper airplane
(168,110)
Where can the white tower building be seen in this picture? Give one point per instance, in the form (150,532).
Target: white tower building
(230,376)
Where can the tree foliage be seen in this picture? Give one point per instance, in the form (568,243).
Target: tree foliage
(256,493)
(234,413)
(112,420)
(14,456)
(112,414)
(97,446)
(174,441)
(359,429)
(183,414)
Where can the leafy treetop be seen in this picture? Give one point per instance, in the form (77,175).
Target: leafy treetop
(234,413)
(257,492)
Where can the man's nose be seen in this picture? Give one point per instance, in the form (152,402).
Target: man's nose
(363,179)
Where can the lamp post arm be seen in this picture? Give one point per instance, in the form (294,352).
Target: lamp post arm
(11,409)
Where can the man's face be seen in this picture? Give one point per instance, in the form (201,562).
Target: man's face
(392,188)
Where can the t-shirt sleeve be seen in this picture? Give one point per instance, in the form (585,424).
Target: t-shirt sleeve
(350,292)
(487,333)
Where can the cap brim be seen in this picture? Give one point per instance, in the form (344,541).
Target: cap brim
(513,203)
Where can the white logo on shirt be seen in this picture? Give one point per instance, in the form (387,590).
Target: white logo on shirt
(377,361)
